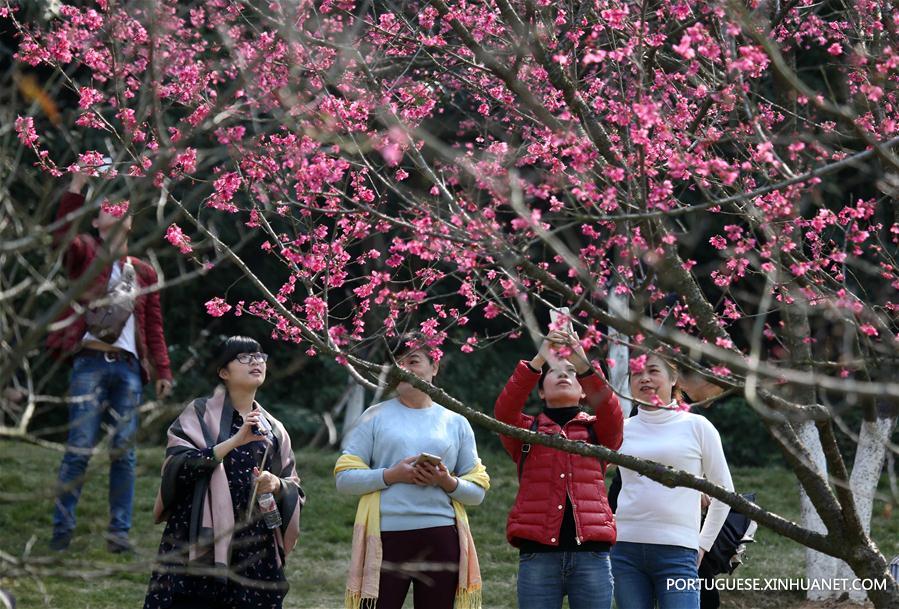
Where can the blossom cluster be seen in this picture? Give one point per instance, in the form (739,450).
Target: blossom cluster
(419,166)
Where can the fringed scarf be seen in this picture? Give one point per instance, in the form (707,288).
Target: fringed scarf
(366,555)
(204,423)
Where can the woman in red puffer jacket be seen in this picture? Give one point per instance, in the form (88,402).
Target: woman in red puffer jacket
(561,521)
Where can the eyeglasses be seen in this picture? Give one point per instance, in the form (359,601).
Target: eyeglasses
(246,358)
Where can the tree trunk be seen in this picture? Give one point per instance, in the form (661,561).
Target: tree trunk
(355,404)
(869,458)
(868,563)
(818,566)
(618,355)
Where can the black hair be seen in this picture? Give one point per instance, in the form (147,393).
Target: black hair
(407,343)
(234,346)
(543,372)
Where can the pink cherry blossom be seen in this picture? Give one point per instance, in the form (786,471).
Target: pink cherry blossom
(89,96)
(25,130)
(638,364)
(117,209)
(405,184)
(217,307)
(176,237)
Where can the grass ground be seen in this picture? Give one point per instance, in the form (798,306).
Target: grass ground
(87,577)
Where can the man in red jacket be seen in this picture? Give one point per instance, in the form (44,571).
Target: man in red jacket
(561,521)
(110,360)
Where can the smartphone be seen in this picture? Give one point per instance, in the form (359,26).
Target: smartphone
(263,427)
(555,314)
(428,458)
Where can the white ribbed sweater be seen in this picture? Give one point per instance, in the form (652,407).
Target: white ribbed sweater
(649,512)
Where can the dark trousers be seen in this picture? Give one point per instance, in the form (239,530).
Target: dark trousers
(709,597)
(428,557)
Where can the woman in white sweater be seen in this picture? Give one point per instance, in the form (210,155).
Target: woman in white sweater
(660,542)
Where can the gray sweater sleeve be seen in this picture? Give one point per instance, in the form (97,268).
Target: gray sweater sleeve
(360,442)
(468,493)
(360,481)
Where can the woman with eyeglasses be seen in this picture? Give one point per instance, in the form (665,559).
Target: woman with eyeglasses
(225,452)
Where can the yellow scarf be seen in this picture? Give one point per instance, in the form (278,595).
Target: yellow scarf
(365,560)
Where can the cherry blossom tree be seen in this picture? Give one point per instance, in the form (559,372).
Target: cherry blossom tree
(718,177)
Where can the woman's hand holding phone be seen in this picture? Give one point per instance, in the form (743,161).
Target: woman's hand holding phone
(245,434)
(424,469)
(403,471)
(429,473)
(247,431)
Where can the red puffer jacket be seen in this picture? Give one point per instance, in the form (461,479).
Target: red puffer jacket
(549,474)
(80,254)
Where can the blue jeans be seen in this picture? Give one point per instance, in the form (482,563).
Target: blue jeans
(648,573)
(100,391)
(545,577)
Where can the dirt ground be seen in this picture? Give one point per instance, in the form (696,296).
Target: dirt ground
(834,605)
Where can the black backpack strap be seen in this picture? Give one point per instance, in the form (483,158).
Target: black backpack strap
(592,433)
(614,490)
(526,448)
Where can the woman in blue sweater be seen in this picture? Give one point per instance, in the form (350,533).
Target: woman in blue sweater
(411,508)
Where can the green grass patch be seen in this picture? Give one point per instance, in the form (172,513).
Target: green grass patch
(87,577)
